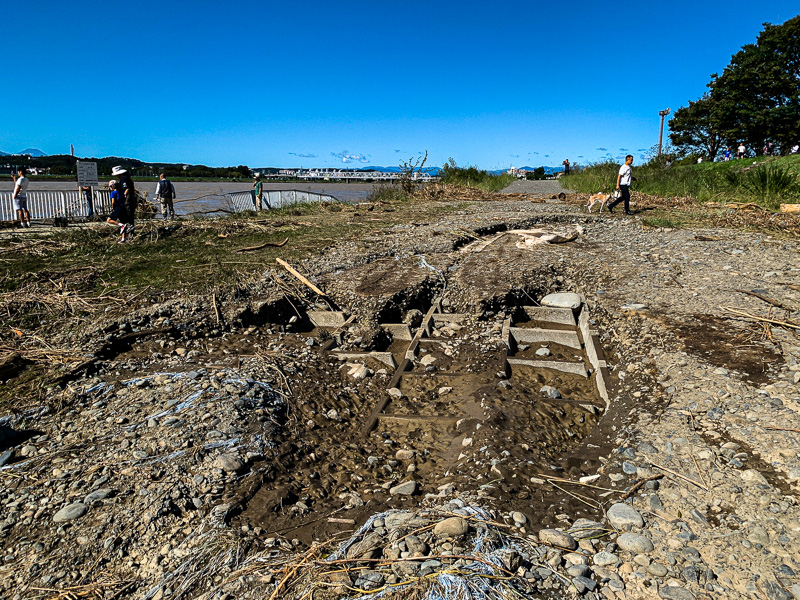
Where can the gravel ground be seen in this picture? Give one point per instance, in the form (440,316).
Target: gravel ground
(136,486)
(544,187)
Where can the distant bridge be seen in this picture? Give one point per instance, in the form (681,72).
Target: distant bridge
(335,175)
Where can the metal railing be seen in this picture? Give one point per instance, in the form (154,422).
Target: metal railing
(246,200)
(49,204)
(72,205)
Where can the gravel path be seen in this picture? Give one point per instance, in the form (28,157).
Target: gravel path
(543,186)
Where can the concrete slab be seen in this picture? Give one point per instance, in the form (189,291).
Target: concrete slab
(537,336)
(399,331)
(564,367)
(562,316)
(449,317)
(327,318)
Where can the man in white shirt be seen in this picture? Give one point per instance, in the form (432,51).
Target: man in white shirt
(20,197)
(624,179)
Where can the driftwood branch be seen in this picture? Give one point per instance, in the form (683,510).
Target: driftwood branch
(787,324)
(766,299)
(264,245)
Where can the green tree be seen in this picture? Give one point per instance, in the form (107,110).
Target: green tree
(695,128)
(757,96)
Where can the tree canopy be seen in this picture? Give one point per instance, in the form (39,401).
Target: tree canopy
(756,99)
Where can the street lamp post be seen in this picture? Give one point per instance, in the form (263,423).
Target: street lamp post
(662,114)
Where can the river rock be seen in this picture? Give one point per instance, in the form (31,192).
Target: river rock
(407,488)
(753,477)
(369,580)
(675,592)
(562,300)
(71,512)
(230,463)
(586,528)
(622,516)
(451,527)
(557,538)
(633,542)
(604,559)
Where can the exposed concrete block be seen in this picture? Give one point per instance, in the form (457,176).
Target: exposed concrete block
(507,334)
(327,318)
(399,331)
(384,357)
(565,367)
(601,377)
(562,316)
(537,336)
(449,317)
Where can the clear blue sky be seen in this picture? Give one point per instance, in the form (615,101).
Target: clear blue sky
(311,83)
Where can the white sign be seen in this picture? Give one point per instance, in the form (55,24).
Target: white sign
(87,173)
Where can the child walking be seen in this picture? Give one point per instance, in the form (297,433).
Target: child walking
(118,215)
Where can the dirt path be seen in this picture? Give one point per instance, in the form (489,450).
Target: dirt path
(203,439)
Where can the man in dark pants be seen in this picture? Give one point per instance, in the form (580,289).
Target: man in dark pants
(165,192)
(127,192)
(624,179)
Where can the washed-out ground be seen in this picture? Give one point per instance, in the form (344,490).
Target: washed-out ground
(222,451)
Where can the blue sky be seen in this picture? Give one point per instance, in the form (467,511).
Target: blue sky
(305,83)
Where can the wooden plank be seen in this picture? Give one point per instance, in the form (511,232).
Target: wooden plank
(294,272)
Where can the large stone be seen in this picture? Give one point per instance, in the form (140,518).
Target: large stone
(369,580)
(452,527)
(623,516)
(604,559)
(71,512)
(230,463)
(586,528)
(407,488)
(675,592)
(562,300)
(633,542)
(753,477)
(557,538)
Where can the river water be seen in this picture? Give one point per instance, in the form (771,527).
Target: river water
(197,196)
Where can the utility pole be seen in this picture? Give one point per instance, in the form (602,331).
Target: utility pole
(662,114)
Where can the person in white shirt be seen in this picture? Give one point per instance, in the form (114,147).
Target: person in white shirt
(740,151)
(624,179)
(20,198)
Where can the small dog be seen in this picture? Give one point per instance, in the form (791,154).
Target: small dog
(602,199)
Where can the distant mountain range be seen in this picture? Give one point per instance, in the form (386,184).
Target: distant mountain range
(32,151)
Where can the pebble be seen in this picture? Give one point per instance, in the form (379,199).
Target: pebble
(674,592)
(604,559)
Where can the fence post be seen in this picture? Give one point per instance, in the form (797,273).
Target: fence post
(63,204)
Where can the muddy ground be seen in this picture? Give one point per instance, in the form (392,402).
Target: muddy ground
(247,420)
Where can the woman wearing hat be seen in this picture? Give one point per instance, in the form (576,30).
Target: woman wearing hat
(127,192)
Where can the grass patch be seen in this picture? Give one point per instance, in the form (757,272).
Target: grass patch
(767,181)
(474,177)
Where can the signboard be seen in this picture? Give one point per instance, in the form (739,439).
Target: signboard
(87,173)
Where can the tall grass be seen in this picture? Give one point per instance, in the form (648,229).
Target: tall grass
(474,177)
(769,183)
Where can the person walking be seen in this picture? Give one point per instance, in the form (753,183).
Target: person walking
(20,197)
(165,192)
(259,191)
(624,179)
(566,166)
(740,151)
(127,193)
